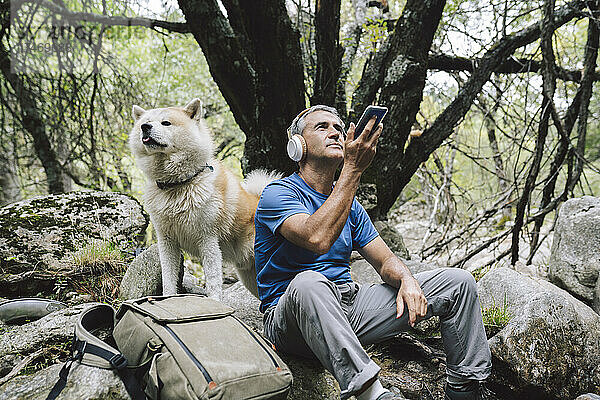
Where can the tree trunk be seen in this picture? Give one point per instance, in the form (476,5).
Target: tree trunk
(329,52)
(256,62)
(401,73)
(33,123)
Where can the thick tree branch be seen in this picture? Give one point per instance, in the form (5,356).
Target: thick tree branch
(406,56)
(227,59)
(108,20)
(275,46)
(448,63)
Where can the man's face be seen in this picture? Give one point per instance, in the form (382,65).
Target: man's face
(324,137)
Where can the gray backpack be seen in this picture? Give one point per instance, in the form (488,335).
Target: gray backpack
(191,347)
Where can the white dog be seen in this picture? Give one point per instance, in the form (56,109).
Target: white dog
(195,204)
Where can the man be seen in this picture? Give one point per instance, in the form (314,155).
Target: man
(306,229)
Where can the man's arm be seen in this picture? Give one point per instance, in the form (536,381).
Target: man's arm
(395,273)
(318,232)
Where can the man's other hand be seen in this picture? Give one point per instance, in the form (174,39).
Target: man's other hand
(410,293)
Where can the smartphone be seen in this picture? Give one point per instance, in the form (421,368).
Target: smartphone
(366,117)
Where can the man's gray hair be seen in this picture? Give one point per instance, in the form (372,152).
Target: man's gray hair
(298,124)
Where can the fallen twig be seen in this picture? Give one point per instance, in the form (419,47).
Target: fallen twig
(15,371)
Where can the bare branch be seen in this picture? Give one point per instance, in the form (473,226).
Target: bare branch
(420,148)
(179,27)
(448,63)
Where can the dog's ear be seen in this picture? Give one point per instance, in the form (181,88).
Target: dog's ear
(194,108)
(137,112)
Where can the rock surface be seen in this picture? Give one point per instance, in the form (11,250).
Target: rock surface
(575,259)
(83,383)
(53,333)
(37,234)
(18,341)
(392,238)
(363,273)
(588,396)
(551,345)
(596,304)
(143,277)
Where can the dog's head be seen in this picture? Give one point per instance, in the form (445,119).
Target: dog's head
(170,130)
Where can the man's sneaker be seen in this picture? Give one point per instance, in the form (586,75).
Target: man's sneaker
(478,392)
(390,396)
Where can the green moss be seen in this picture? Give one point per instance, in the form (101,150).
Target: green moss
(480,272)
(496,317)
(53,353)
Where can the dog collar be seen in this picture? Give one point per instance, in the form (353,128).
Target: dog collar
(169,185)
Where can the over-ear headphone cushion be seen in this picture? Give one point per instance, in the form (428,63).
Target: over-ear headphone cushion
(296,148)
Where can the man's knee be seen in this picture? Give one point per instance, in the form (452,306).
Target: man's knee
(462,279)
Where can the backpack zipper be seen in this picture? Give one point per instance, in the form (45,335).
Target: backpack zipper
(211,384)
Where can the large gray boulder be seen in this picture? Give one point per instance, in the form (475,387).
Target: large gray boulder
(143,277)
(36,235)
(551,345)
(596,304)
(575,258)
(363,273)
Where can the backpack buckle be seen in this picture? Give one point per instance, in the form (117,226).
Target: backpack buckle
(118,361)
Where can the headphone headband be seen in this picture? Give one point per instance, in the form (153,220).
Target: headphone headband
(296,118)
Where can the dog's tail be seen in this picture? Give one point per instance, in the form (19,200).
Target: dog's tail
(256,180)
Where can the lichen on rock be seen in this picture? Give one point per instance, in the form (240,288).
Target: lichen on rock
(37,234)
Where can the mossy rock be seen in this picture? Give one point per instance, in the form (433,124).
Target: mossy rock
(36,235)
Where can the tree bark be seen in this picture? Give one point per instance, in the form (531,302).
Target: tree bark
(329,52)
(257,64)
(402,75)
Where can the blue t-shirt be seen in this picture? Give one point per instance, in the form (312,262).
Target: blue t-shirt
(278,261)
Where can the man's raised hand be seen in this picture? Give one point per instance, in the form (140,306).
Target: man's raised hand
(359,153)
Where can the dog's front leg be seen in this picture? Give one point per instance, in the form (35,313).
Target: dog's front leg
(212,263)
(170,263)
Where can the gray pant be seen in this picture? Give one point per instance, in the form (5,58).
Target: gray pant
(317,318)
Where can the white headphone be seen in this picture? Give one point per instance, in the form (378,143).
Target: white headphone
(296,148)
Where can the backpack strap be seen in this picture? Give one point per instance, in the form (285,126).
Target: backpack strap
(90,350)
